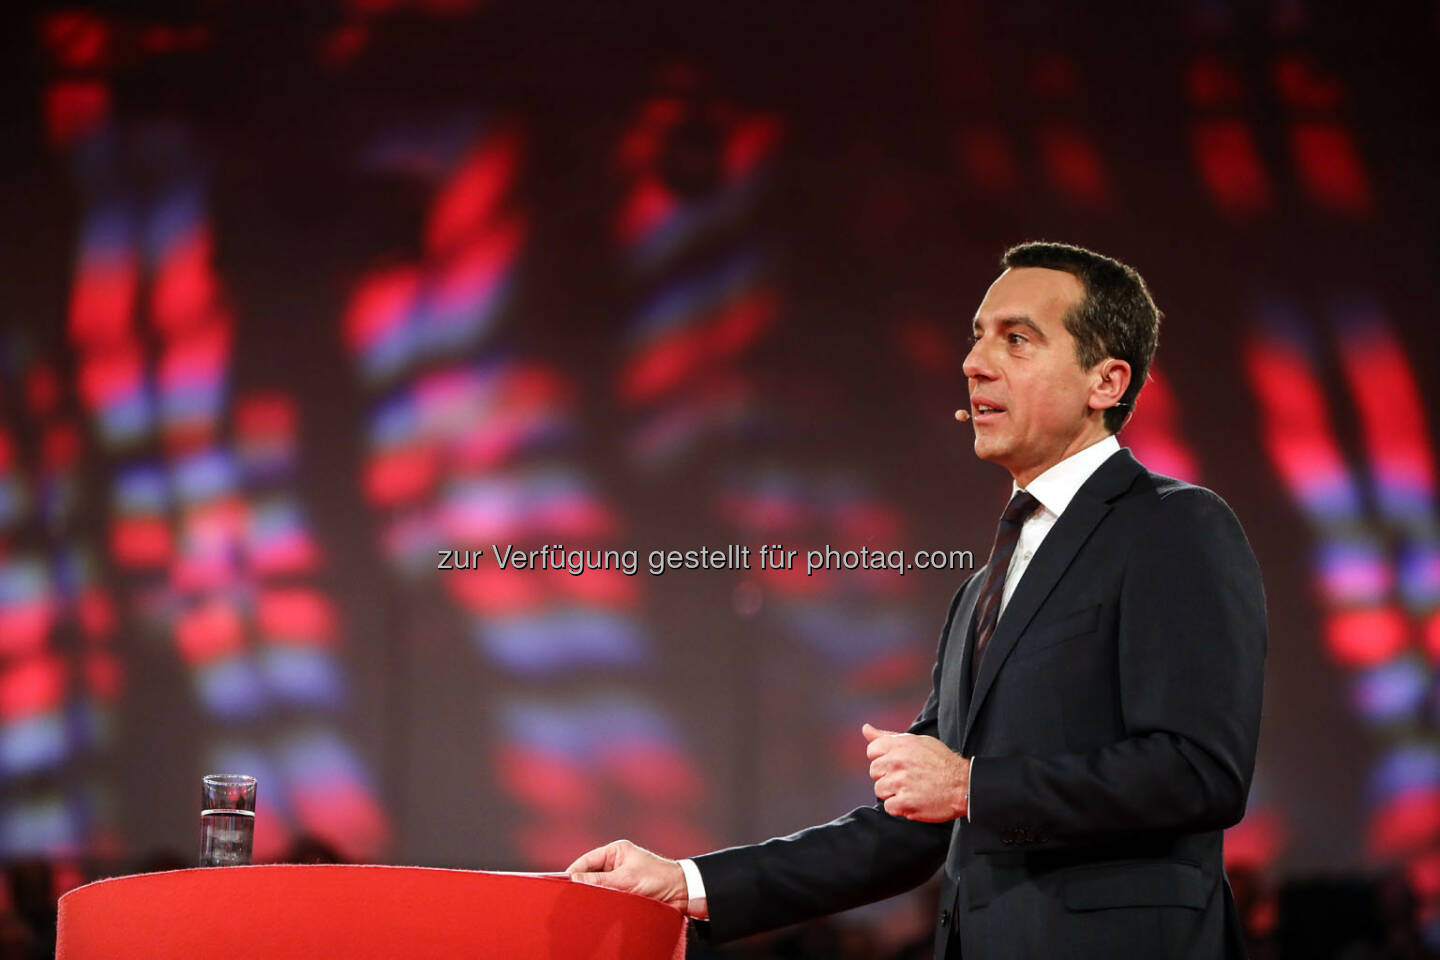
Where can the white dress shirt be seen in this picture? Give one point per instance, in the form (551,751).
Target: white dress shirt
(1054,488)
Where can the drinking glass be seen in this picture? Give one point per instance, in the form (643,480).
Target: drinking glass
(227,819)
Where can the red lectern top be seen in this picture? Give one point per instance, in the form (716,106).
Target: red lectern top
(288,912)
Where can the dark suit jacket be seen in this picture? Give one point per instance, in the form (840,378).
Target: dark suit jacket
(1114,724)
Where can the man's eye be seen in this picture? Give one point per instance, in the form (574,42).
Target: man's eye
(1016,338)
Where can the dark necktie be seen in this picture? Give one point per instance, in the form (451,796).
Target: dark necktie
(987,609)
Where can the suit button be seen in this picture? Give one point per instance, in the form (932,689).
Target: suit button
(944,917)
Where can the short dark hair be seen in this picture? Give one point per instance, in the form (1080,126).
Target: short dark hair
(1116,317)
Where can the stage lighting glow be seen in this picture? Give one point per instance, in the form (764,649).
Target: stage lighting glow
(277,540)
(1420,576)
(33,743)
(1298,427)
(204,475)
(1153,432)
(302,676)
(232,688)
(1230,165)
(1365,637)
(191,378)
(265,436)
(185,291)
(43,825)
(657,219)
(468,293)
(1353,571)
(27,606)
(107,277)
(1392,692)
(330,792)
(560,641)
(113,385)
(209,632)
(1330,166)
(31,686)
(476,194)
(295,615)
(1072,162)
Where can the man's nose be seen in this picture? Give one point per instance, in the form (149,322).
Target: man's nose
(975,366)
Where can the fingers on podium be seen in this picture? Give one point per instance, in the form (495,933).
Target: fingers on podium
(601,859)
(597,880)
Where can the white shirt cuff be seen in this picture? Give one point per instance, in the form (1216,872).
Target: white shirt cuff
(694,885)
(968,789)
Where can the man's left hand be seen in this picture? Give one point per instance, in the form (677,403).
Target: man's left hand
(919,778)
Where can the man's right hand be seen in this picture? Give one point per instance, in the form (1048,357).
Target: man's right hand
(623,866)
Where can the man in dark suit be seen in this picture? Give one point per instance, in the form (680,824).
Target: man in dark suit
(1095,703)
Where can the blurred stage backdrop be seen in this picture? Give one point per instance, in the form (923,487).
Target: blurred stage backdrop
(293,295)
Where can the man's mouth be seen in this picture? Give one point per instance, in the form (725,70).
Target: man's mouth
(985,411)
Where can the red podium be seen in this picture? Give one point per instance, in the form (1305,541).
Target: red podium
(387,913)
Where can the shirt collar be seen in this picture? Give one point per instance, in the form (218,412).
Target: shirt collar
(1057,486)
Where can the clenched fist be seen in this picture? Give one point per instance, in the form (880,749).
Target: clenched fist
(919,778)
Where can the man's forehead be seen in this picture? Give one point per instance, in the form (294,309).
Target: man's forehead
(1035,292)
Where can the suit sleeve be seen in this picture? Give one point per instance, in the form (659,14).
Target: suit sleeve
(1191,658)
(863,856)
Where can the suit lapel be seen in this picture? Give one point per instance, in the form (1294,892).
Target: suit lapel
(962,642)
(1084,513)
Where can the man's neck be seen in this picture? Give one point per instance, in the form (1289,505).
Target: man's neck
(1082,441)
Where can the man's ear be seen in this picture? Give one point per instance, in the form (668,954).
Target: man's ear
(1114,381)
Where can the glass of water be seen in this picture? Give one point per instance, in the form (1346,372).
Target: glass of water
(227,819)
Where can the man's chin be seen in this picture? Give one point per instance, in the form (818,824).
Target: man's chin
(988,450)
